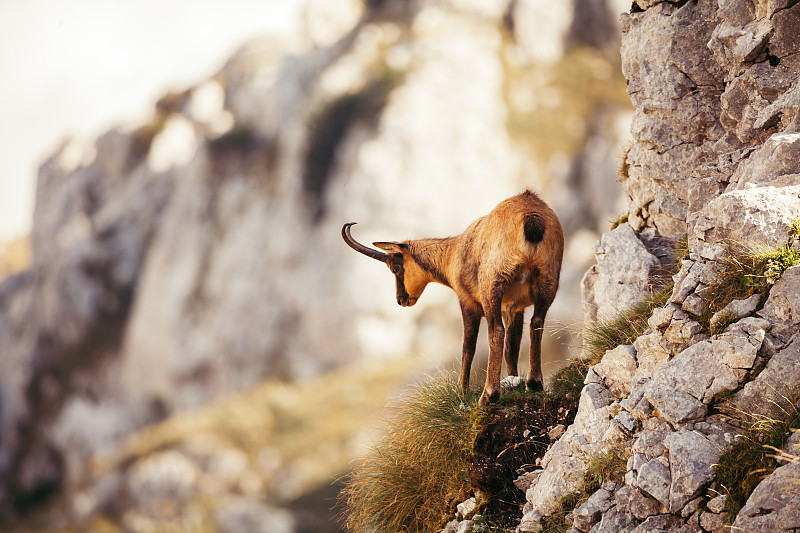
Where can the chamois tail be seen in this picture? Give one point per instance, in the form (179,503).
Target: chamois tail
(534,228)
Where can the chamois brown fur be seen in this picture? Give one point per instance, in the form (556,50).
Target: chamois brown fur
(503,263)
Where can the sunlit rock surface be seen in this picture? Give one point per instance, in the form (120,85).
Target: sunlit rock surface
(714,158)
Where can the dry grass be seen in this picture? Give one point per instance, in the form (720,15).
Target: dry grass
(753,456)
(610,465)
(567,382)
(623,168)
(415,474)
(624,328)
(408,480)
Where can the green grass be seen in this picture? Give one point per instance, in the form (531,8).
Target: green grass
(752,457)
(747,271)
(413,475)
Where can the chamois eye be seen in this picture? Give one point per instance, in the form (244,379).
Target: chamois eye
(395,269)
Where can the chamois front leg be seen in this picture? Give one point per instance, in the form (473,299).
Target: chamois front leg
(514,323)
(471,317)
(497,332)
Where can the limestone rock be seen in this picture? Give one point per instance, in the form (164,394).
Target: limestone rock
(624,267)
(714,523)
(790,453)
(692,458)
(643,506)
(689,382)
(780,379)
(773,504)
(717,504)
(735,310)
(524,481)
(782,308)
(616,520)
(677,116)
(466,507)
(661,317)
(716,155)
(761,215)
(592,510)
(652,355)
(654,479)
(664,523)
(773,161)
(617,368)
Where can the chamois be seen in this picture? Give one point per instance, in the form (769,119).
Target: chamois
(503,263)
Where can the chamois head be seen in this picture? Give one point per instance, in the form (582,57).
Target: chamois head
(410,277)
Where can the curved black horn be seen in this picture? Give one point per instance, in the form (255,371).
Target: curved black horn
(358,247)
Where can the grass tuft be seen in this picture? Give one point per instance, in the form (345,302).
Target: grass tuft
(442,448)
(560,521)
(606,335)
(752,457)
(610,465)
(617,222)
(746,271)
(420,467)
(567,382)
(623,167)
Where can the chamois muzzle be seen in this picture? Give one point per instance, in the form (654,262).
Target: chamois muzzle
(358,247)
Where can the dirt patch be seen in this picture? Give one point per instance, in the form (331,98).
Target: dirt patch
(511,440)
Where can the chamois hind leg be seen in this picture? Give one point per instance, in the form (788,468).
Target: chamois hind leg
(514,323)
(471,317)
(534,378)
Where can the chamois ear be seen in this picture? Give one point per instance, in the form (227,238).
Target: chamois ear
(391,247)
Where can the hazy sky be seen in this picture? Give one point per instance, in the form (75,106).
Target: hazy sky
(78,67)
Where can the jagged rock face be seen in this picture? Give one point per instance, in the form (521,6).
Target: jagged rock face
(715,158)
(201,253)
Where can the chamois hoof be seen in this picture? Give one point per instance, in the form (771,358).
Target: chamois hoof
(534,386)
(489,397)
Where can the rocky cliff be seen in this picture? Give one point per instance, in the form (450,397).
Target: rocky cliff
(715,159)
(199,253)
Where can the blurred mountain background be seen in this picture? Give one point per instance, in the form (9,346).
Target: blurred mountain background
(186,344)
